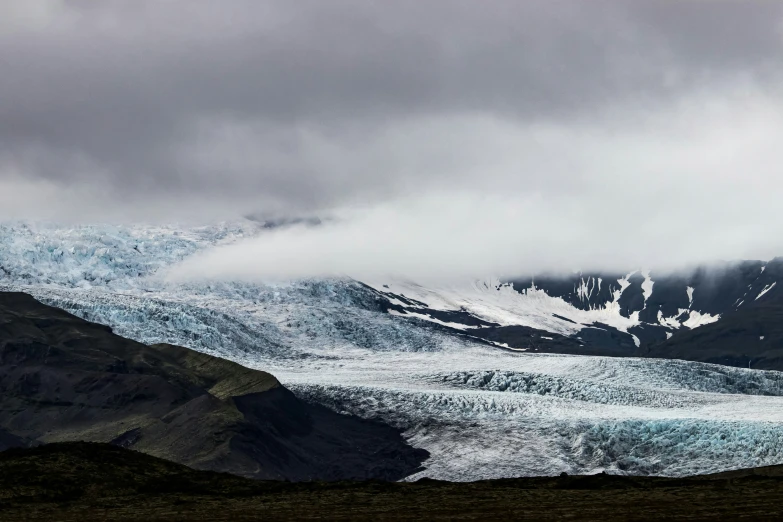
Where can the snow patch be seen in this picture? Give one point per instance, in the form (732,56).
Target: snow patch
(669,322)
(765,290)
(456,326)
(697,319)
(624,283)
(647,286)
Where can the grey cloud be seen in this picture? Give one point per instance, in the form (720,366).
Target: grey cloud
(244,103)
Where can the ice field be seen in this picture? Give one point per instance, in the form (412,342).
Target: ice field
(481,411)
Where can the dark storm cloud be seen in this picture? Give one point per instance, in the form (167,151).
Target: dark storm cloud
(242,103)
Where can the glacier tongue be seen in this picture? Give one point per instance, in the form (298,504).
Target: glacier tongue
(548,414)
(481,412)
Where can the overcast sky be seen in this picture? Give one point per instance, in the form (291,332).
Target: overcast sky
(605,130)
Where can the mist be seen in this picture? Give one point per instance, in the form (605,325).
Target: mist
(665,189)
(436,138)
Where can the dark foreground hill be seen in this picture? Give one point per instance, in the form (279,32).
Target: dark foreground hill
(66,379)
(84,482)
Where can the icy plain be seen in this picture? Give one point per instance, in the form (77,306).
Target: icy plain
(481,411)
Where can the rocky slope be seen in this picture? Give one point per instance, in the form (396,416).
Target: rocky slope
(65,379)
(715,313)
(751,337)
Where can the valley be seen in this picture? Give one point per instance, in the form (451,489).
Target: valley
(407,356)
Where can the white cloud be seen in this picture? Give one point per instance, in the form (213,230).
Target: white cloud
(697,182)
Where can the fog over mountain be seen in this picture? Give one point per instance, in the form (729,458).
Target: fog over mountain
(456,240)
(510,136)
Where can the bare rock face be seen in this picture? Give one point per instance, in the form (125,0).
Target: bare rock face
(66,379)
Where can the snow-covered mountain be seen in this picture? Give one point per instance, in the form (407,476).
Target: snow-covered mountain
(454,366)
(640,313)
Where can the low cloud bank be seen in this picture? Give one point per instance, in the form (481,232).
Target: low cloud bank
(694,184)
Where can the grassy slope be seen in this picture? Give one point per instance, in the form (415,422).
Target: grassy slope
(65,379)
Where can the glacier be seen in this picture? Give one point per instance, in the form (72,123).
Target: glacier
(481,411)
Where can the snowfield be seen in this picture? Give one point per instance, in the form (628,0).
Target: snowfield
(500,303)
(481,411)
(503,304)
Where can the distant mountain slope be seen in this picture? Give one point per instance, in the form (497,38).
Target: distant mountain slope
(751,337)
(608,314)
(8,440)
(111,275)
(65,379)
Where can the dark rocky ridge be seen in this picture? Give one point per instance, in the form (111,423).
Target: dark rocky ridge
(717,288)
(750,338)
(730,290)
(66,379)
(83,482)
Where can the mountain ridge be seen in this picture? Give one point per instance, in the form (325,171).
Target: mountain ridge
(636,314)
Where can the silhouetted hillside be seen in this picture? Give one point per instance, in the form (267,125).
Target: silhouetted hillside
(84,482)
